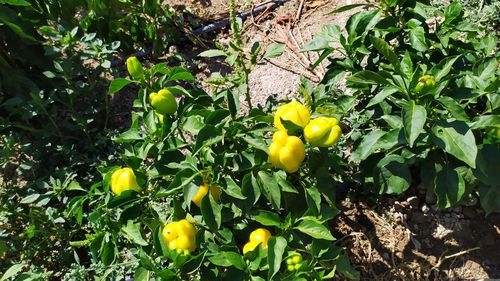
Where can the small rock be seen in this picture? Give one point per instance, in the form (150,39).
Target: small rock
(469,212)
(425,209)
(413,201)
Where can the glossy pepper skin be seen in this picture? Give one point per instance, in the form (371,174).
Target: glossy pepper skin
(286,152)
(293,111)
(134,68)
(124,179)
(323,131)
(425,84)
(204,188)
(294,263)
(163,102)
(258,236)
(180,236)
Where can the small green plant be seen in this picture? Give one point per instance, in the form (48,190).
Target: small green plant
(422,99)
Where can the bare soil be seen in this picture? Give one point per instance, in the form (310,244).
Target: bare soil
(398,238)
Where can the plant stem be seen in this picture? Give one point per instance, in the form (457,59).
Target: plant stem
(241,69)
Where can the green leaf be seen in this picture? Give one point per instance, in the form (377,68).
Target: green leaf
(178,73)
(345,268)
(232,189)
(142,274)
(30,198)
(368,77)
(449,187)
(266,218)
(452,11)
(407,66)
(118,84)
(489,196)
(274,50)
(211,212)
(12,271)
(417,39)
(392,175)
(457,139)
(227,259)
(383,47)
(348,7)
(270,189)
(133,233)
(414,117)
(455,109)
(108,251)
(212,53)
(443,68)
(365,148)
(276,247)
(207,136)
(488,164)
(382,95)
(15,2)
(315,230)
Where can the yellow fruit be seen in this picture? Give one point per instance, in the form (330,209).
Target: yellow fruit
(260,235)
(124,179)
(322,131)
(293,111)
(180,235)
(286,152)
(250,246)
(297,259)
(163,102)
(204,188)
(134,68)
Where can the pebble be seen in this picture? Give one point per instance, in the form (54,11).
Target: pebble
(425,209)
(413,201)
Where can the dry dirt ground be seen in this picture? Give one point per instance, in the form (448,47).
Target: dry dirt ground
(403,238)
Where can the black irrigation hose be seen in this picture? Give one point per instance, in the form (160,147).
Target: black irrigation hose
(224,22)
(209,27)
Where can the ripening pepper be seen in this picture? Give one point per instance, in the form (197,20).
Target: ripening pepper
(322,131)
(294,263)
(425,84)
(286,152)
(293,111)
(258,236)
(180,236)
(163,102)
(204,188)
(134,68)
(124,179)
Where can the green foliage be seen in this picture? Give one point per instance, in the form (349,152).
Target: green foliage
(205,142)
(403,135)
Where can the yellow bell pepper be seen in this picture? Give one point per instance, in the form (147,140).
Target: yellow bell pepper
(425,84)
(163,102)
(134,68)
(204,188)
(257,237)
(286,152)
(124,179)
(293,111)
(323,131)
(180,235)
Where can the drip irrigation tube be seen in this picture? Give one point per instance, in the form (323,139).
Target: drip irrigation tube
(210,27)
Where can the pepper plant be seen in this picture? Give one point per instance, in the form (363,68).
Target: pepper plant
(208,166)
(422,99)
